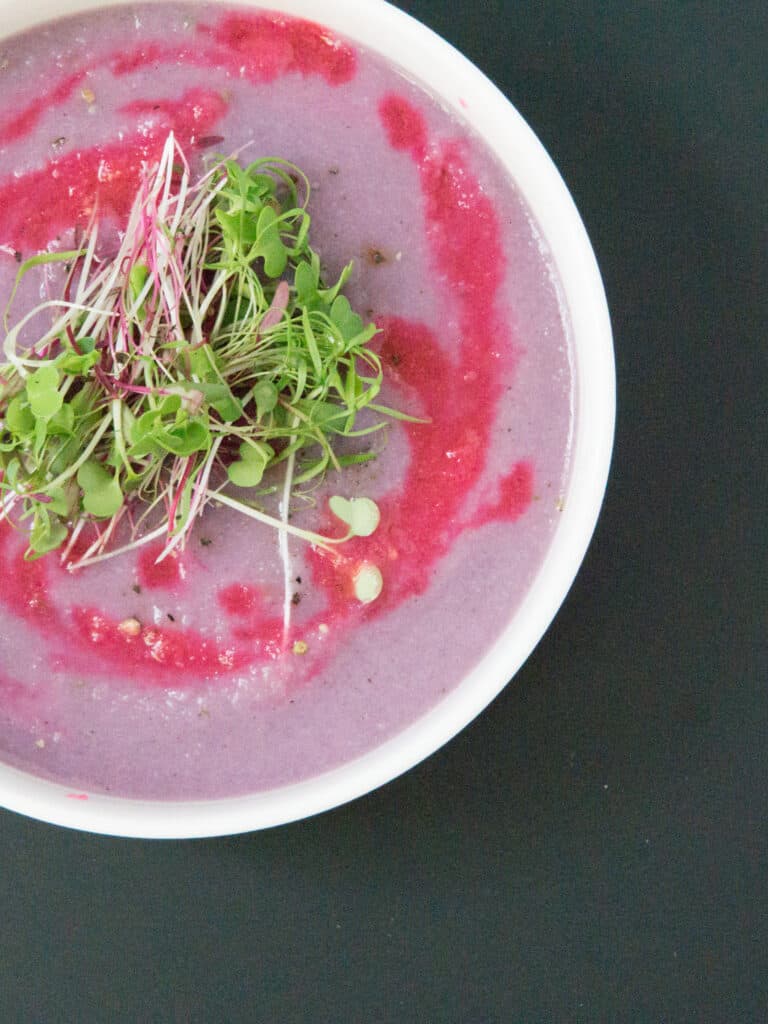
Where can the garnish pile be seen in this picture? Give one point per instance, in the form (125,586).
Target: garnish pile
(177,371)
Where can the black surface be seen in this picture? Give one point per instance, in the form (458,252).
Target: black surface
(593,848)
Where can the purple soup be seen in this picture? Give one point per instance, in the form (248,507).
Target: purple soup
(209,695)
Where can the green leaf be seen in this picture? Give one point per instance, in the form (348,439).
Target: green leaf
(220,398)
(238,230)
(46,378)
(355,459)
(18,416)
(83,401)
(44,398)
(66,455)
(12,472)
(361,515)
(306,281)
(347,321)
(92,476)
(367,582)
(147,446)
(170,405)
(202,363)
(47,533)
(63,500)
(62,422)
(326,415)
(311,343)
(128,422)
(143,434)
(41,435)
(77,365)
(254,459)
(269,244)
(137,278)
(184,438)
(45,404)
(266,396)
(104,503)
(102,495)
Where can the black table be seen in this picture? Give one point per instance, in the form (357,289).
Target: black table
(593,848)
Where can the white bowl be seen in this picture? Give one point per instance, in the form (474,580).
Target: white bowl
(449,75)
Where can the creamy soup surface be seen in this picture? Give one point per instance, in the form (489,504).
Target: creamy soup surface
(212,696)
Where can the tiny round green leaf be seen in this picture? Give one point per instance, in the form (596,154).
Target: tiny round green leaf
(361,515)
(45,378)
(368,583)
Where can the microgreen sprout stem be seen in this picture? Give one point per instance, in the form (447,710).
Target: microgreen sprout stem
(178,371)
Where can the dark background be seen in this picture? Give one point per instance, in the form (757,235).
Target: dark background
(593,848)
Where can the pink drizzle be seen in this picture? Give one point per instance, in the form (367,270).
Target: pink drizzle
(261,47)
(420,523)
(42,203)
(166,575)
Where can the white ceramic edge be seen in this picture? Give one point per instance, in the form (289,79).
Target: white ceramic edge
(464,88)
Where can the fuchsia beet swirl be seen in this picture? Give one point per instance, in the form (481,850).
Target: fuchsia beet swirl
(445,491)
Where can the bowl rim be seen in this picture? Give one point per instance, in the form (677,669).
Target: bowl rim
(462,87)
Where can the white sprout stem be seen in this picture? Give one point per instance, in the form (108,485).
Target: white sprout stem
(201,487)
(74,534)
(107,285)
(278,524)
(92,234)
(146,539)
(7,502)
(282,539)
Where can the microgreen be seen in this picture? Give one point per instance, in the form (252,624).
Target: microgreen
(367,583)
(360,514)
(177,372)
